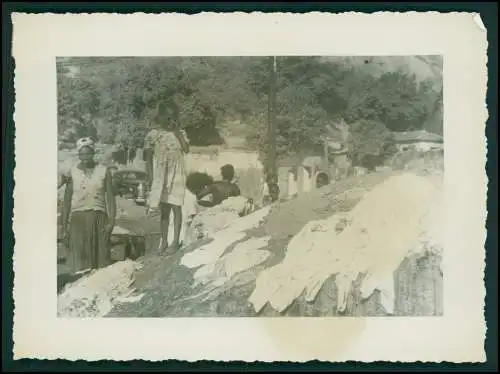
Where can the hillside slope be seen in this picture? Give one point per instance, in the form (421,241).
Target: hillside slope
(209,279)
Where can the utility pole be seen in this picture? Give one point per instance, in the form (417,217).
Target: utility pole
(272,172)
(326,156)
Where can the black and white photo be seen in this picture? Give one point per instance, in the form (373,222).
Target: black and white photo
(250,186)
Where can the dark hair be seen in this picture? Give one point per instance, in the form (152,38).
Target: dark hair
(227,172)
(273,187)
(89,147)
(195,182)
(167,113)
(271,178)
(274,191)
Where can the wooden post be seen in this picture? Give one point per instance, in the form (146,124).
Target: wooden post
(272,177)
(326,158)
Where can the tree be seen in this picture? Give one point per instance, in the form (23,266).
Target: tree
(434,122)
(369,143)
(300,119)
(78,105)
(115,97)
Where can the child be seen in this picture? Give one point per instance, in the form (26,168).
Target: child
(216,192)
(164,151)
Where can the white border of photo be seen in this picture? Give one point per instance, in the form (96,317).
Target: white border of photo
(458,336)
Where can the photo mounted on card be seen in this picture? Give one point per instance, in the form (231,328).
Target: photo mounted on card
(195,170)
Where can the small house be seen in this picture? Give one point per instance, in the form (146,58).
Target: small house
(417,140)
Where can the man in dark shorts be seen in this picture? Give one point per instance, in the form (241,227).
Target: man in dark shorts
(219,191)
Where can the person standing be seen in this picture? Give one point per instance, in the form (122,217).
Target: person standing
(164,149)
(89,210)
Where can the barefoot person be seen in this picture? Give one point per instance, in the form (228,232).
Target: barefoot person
(89,210)
(164,150)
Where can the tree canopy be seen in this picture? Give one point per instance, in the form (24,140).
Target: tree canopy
(113,98)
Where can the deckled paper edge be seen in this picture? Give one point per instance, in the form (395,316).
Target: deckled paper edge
(37,332)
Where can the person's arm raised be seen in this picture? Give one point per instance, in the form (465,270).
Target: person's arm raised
(182,140)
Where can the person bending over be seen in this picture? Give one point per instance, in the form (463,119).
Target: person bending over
(215,193)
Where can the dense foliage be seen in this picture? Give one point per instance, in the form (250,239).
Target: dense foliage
(369,143)
(112,99)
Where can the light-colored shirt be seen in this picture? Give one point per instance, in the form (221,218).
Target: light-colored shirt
(164,144)
(89,191)
(169,172)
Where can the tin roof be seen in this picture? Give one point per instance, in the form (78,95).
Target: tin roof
(417,136)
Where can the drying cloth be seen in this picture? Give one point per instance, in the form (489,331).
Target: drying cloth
(432,237)
(244,256)
(248,222)
(208,223)
(117,230)
(381,231)
(211,252)
(211,220)
(283,283)
(94,295)
(188,212)
(223,239)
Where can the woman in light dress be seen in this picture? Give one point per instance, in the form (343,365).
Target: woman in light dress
(164,150)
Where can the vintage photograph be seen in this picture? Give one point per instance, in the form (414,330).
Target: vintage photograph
(268,186)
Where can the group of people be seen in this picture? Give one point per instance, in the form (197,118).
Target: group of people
(210,193)
(89,205)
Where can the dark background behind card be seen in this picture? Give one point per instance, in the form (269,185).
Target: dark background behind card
(489,15)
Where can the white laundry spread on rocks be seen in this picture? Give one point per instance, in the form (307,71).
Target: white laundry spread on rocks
(212,251)
(222,239)
(188,210)
(245,255)
(216,270)
(246,223)
(432,237)
(283,283)
(383,229)
(216,218)
(95,294)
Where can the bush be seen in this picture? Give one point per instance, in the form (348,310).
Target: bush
(370,143)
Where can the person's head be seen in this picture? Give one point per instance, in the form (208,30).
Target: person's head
(274,191)
(86,151)
(271,179)
(227,172)
(196,182)
(113,169)
(167,114)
